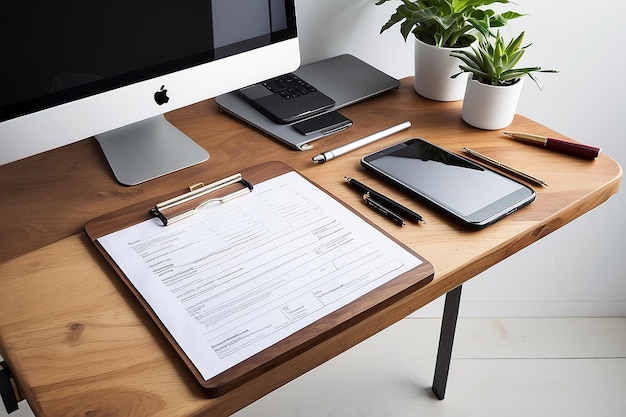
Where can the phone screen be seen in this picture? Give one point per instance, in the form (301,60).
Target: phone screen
(470,192)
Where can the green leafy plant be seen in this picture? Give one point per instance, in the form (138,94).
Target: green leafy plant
(493,62)
(447,23)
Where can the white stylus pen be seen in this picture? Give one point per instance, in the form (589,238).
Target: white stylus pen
(328,155)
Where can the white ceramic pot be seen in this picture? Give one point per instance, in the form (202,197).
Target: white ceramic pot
(490,107)
(433,68)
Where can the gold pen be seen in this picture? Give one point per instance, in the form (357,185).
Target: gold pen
(505,168)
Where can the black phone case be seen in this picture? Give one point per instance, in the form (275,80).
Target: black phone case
(325,124)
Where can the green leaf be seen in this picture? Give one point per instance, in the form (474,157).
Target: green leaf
(515,44)
(450,23)
(493,61)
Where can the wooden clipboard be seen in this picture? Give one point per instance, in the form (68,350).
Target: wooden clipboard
(295,344)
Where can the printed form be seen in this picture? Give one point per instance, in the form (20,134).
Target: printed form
(240,276)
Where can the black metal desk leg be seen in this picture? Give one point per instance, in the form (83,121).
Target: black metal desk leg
(446,339)
(7,390)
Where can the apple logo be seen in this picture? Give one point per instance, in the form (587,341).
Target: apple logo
(161,96)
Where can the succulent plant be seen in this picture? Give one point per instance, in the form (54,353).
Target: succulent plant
(494,62)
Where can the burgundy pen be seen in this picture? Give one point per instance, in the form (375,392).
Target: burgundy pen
(570,148)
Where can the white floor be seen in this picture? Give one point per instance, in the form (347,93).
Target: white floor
(500,367)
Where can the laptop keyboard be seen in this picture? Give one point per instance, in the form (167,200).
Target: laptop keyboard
(288,86)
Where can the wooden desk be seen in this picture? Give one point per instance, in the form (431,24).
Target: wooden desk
(79,344)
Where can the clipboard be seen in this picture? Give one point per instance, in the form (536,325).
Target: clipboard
(294,344)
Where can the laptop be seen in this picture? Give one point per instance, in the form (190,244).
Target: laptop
(345,79)
(287,98)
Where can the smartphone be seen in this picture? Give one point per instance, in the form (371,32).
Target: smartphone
(326,124)
(459,187)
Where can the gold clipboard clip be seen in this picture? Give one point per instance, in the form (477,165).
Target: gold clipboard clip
(186,205)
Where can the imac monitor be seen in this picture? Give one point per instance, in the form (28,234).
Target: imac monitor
(71,70)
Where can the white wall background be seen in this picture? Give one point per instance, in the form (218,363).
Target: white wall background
(578,270)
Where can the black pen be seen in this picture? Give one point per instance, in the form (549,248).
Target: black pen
(385,201)
(383,210)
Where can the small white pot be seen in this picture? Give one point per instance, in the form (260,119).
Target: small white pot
(490,107)
(433,68)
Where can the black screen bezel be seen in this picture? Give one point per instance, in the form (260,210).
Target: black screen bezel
(53,99)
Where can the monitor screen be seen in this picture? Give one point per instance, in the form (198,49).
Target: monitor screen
(73,69)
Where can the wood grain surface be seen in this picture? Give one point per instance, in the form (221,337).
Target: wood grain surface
(80,344)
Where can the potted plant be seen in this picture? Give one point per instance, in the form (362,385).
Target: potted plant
(494,88)
(440,26)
